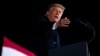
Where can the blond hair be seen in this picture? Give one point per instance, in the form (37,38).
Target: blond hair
(56,5)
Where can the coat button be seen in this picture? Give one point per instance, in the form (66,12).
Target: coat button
(54,42)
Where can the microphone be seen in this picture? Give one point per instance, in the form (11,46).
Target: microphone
(87,24)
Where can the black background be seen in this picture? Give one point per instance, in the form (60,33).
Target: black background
(17,16)
(84,9)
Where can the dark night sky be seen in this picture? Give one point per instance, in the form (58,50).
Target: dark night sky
(18,13)
(83,9)
(79,8)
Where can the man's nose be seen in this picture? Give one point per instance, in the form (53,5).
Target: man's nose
(57,13)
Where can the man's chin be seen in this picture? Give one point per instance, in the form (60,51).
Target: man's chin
(56,20)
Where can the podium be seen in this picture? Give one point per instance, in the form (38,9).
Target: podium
(75,49)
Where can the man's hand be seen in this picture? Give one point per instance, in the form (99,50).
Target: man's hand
(63,22)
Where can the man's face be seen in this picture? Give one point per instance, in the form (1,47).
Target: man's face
(54,14)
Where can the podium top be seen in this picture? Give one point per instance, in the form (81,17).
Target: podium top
(76,49)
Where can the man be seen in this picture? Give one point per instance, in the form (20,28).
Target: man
(54,14)
(47,24)
(44,28)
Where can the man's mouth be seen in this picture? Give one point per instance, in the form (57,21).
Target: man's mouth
(56,16)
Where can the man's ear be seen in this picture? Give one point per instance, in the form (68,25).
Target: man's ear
(47,13)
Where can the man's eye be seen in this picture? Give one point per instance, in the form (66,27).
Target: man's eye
(59,11)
